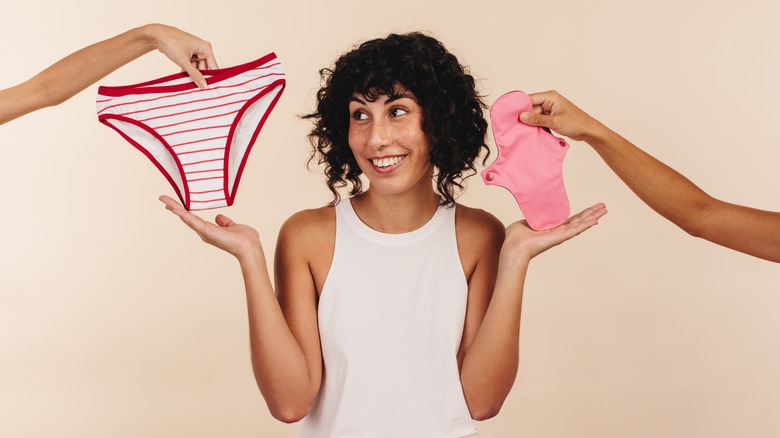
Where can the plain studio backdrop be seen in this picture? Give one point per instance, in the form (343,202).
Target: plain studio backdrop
(115,320)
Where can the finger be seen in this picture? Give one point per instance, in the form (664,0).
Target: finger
(594,209)
(169,202)
(576,228)
(541,98)
(595,212)
(202,64)
(196,75)
(224,221)
(535,119)
(590,214)
(176,208)
(206,54)
(599,212)
(196,223)
(211,61)
(193,221)
(190,219)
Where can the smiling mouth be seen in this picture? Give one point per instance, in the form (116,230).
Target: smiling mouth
(387,162)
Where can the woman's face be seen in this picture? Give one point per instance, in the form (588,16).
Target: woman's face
(388,142)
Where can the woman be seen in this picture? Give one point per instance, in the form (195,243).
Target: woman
(396,311)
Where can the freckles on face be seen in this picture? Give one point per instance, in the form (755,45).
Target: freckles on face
(386,136)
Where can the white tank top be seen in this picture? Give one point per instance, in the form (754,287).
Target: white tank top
(391,317)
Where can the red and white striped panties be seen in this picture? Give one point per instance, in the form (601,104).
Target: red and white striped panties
(198,138)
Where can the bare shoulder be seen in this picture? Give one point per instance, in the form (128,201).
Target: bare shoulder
(308,228)
(308,238)
(479,235)
(474,225)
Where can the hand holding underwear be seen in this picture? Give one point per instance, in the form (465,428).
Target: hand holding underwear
(236,239)
(520,237)
(68,76)
(551,110)
(185,50)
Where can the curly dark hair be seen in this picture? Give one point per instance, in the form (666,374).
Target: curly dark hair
(452,109)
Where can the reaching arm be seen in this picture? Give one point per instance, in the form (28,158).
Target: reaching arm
(489,351)
(670,194)
(75,72)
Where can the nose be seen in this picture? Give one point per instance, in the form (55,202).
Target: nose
(379,135)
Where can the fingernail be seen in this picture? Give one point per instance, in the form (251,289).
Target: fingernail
(203,84)
(524,117)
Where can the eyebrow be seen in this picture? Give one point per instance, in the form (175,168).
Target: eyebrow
(389,100)
(401,96)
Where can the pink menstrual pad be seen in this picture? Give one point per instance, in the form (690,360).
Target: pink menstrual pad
(529,163)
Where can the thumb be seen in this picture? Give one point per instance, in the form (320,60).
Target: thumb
(196,75)
(534,119)
(224,221)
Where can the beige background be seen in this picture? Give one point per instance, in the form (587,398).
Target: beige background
(115,320)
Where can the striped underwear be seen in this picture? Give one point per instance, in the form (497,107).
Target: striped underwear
(198,139)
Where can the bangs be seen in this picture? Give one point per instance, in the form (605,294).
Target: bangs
(372,91)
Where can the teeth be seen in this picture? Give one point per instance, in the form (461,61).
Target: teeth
(385,162)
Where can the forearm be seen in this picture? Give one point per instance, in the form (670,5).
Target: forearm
(744,229)
(79,70)
(663,189)
(75,72)
(278,361)
(490,366)
(675,197)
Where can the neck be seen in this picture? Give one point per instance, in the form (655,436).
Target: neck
(395,214)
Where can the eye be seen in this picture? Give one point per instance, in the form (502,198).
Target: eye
(397,111)
(359,115)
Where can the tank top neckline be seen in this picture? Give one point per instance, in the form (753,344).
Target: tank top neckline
(392,239)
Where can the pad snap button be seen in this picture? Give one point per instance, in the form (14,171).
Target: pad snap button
(490,176)
(562,143)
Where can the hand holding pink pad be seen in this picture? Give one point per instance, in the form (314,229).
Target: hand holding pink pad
(529,163)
